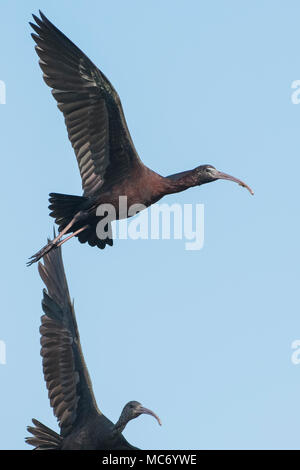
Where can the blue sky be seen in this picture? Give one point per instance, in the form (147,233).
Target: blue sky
(201,337)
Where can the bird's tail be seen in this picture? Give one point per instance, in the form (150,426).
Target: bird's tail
(43,437)
(63,207)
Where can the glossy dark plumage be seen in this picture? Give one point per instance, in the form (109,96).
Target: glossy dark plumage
(108,162)
(82,425)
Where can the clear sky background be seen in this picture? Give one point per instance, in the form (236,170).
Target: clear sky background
(201,337)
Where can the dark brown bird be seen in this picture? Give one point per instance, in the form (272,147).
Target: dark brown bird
(82,425)
(108,162)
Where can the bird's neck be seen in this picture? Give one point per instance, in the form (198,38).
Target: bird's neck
(120,425)
(181,181)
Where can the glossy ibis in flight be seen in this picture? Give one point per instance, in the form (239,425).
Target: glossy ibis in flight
(108,161)
(82,425)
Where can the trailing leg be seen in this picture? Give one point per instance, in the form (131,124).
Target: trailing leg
(54,243)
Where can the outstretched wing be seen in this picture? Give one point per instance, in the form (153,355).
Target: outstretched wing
(66,375)
(92,109)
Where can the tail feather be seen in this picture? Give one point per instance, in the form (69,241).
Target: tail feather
(43,437)
(63,207)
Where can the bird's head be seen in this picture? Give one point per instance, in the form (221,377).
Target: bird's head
(132,410)
(208,173)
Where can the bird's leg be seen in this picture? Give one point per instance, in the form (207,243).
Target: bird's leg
(53,243)
(72,235)
(75,219)
(60,234)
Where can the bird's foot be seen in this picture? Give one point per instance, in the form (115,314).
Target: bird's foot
(34,258)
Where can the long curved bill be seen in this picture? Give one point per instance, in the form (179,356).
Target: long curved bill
(146,411)
(225,176)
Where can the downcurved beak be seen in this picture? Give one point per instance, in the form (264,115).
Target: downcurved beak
(223,176)
(146,411)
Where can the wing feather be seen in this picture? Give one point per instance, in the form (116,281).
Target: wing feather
(66,375)
(91,107)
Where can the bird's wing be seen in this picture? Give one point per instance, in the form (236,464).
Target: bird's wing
(92,109)
(66,375)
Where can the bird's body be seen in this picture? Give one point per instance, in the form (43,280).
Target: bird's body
(82,424)
(144,187)
(109,165)
(97,433)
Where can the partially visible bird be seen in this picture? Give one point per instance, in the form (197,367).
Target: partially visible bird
(82,424)
(108,161)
